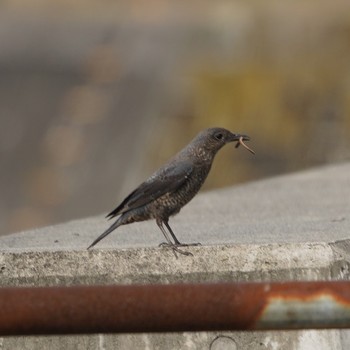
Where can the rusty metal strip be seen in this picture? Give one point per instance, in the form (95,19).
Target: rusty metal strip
(174,308)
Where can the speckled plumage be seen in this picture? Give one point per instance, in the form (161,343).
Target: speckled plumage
(173,185)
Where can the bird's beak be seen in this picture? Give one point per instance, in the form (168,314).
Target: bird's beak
(237,137)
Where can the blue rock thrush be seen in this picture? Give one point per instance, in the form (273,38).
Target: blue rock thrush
(173,185)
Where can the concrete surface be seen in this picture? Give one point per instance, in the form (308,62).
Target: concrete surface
(293,227)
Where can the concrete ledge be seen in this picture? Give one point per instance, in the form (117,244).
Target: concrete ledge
(267,262)
(293,227)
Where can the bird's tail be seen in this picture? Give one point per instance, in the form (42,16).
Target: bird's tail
(107,232)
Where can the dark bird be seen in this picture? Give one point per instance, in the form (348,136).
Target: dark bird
(173,185)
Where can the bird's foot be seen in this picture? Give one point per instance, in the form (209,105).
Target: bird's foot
(188,244)
(175,248)
(164,244)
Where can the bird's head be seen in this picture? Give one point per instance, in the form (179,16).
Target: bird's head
(214,138)
(206,144)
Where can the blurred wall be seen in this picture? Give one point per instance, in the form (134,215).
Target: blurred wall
(94,96)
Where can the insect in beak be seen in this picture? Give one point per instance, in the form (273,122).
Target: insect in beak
(240,142)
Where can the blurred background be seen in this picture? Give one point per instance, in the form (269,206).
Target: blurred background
(95,95)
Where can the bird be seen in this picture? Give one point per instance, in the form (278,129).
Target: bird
(172,186)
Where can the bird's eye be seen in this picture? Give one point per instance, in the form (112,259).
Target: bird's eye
(219,136)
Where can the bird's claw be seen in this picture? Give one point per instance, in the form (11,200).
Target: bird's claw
(164,244)
(188,244)
(175,248)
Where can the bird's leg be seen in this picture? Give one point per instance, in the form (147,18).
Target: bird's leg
(169,243)
(177,242)
(160,225)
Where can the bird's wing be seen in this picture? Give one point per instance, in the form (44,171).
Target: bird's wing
(167,180)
